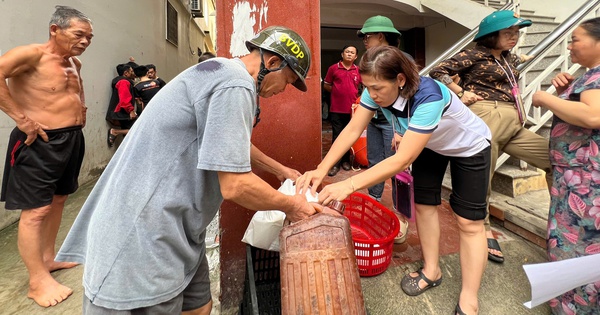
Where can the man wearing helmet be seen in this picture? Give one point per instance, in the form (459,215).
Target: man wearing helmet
(141,231)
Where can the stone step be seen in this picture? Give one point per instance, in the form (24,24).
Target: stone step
(525,215)
(511,181)
(535,18)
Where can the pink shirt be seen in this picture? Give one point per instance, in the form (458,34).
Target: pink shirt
(344,87)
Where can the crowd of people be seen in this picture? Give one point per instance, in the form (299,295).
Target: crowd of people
(132,89)
(462,116)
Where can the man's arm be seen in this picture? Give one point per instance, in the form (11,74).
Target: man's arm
(125,98)
(16,62)
(81,92)
(267,164)
(251,192)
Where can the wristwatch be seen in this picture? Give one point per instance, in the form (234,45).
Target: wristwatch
(460,94)
(446,79)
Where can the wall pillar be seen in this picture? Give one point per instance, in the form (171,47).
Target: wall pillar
(290,126)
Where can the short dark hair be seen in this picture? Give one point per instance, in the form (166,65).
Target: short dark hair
(205,56)
(63,15)
(386,62)
(121,68)
(592,26)
(392,38)
(140,71)
(151,66)
(489,41)
(348,46)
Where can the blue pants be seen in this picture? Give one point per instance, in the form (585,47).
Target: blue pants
(338,123)
(379,147)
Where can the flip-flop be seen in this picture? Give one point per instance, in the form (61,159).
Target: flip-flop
(458,310)
(492,243)
(110,139)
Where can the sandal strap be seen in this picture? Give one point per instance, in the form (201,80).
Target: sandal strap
(422,276)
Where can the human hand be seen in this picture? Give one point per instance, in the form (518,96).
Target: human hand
(286,173)
(469,98)
(456,78)
(525,58)
(302,209)
(132,115)
(562,81)
(537,99)
(337,191)
(396,141)
(314,178)
(32,129)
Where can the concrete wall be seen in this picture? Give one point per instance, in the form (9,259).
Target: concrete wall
(440,36)
(121,29)
(290,127)
(558,8)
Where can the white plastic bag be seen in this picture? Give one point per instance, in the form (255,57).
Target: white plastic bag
(263,230)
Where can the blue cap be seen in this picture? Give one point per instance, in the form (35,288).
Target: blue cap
(500,20)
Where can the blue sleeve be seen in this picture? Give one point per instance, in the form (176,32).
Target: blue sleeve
(367,102)
(429,104)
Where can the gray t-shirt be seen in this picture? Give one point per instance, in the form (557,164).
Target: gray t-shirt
(139,233)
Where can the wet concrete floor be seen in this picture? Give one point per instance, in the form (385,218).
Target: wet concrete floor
(504,289)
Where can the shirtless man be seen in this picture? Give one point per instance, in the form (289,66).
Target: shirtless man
(44,96)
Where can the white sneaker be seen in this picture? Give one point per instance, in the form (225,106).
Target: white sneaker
(402,234)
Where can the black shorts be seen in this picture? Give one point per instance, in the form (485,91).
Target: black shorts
(34,174)
(470,179)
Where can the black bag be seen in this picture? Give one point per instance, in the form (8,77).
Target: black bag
(404,193)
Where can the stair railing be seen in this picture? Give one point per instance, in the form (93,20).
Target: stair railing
(463,42)
(536,117)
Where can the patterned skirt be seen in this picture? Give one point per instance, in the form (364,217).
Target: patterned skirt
(574,231)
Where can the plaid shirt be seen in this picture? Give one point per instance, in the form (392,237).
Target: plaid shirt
(480,73)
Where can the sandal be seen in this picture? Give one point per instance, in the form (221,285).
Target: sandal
(402,233)
(410,285)
(458,310)
(110,138)
(492,243)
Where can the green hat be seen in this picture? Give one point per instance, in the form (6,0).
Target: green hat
(500,20)
(289,46)
(378,24)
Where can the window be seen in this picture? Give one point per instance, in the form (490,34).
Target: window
(172,25)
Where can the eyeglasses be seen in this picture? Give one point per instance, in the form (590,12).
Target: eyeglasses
(510,34)
(366,38)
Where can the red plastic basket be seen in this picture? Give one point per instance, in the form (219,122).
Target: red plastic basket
(373,230)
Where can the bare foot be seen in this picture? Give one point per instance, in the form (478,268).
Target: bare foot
(55,265)
(48,292)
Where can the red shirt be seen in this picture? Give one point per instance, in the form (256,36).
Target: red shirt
(344,87)
(125,97)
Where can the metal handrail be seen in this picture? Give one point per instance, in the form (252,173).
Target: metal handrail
(563,29)
(460,44)
(539,52)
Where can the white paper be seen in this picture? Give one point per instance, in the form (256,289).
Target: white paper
(549,280)
(263,230)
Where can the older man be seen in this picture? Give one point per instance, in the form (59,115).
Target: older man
(144,250)
(44,96)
